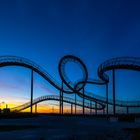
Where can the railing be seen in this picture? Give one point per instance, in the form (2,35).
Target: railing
(52,97)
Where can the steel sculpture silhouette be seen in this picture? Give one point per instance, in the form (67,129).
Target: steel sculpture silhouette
(132,63)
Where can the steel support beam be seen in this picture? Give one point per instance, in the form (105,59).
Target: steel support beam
(127,110)
(95,108)
(36,108)
(62,97)
(107,98)
(6,106)
(103,111)
(60,102)
(32,80)
(90,107)
(114,96)
(83,101)
(75,102)
(71,109)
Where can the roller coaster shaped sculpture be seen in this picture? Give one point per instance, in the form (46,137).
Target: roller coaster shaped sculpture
(77,88)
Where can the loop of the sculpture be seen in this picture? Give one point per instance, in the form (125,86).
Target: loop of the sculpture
(64,76)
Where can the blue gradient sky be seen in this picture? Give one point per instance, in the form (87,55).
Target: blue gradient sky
(45,30)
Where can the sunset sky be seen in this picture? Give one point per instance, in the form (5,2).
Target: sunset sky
(46,30)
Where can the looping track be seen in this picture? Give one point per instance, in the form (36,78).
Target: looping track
(63,74)
(132,63)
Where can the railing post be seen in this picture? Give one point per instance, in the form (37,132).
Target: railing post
(32,80)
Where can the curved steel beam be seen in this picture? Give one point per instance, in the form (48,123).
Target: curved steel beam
(55,98)
(131,63)
(20,61)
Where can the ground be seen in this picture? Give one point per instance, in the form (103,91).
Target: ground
(68,128)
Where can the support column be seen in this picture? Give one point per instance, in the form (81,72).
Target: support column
(127,109)
(95,108)
(36,108)
(6,106)
(107,98)
(62,98)
(71,109)
(114,100)
(90,107)
(83,101)
(104,111)
(32,80)
(75,103)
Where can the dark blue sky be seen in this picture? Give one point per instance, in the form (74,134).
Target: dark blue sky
(94,30)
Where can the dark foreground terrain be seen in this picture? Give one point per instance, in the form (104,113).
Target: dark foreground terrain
(49,127)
